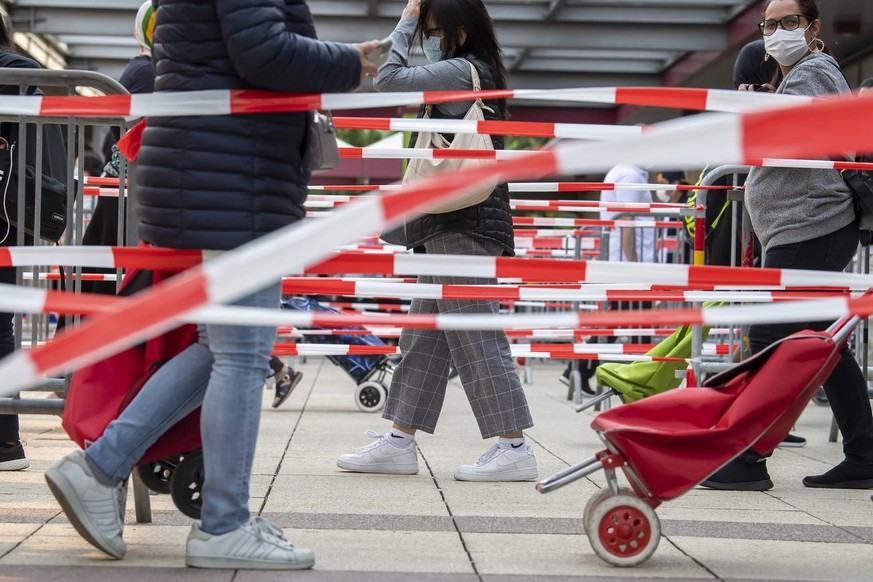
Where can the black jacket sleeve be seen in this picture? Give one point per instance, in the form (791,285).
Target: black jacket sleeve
(266,55)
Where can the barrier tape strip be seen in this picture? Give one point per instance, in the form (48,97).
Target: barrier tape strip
(459,154)
(513,334)
(513,187)
(602,351)
(241,102)
(696,141)
(319,286)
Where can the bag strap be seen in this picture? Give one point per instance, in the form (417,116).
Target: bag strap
(477,87)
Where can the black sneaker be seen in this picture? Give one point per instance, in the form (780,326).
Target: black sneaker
(12,457)
(844,476)
(739,475)
(285,386)
(793,441)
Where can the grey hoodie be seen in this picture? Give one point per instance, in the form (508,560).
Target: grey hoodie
(793,205)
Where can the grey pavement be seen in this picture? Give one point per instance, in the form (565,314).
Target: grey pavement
(430,527)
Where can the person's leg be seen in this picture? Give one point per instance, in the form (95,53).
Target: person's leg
(11,451)
(231,414)
(415,398)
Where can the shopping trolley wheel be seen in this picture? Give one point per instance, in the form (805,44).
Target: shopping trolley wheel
(370,396)
(186,484)
(157,474)
(595,500)
(624,530)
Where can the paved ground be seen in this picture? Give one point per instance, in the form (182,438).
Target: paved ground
(430,527)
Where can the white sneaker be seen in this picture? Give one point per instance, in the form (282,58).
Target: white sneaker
(381,456)
(256,545)
(94,509)
(501,464)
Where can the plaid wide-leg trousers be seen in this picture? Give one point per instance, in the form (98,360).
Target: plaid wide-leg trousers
(482,358)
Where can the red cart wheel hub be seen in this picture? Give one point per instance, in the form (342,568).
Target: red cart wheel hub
(625,531)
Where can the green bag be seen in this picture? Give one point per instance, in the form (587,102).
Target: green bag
(638,380)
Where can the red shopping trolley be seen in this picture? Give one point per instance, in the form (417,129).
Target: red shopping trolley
(669,443)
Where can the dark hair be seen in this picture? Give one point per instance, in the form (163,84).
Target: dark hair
(866,83)
(473,17)
(808,8)
(751,68)
(5,37)
(93,163)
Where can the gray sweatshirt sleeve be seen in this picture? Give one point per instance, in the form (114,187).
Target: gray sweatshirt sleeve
(397,75)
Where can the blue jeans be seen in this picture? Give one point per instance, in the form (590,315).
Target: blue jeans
(224,373)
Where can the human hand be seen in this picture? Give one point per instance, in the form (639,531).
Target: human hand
(765,88)
(368,69)
(413,9)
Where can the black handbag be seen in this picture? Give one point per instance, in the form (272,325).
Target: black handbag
(53,197)
(860,182)
(322,152)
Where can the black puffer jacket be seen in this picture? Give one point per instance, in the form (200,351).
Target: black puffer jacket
(489,220)
(219,182)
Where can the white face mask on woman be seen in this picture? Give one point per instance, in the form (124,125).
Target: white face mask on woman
(787,46)
(433,52)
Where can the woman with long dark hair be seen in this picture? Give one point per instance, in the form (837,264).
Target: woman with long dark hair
(805,219)
(454,34)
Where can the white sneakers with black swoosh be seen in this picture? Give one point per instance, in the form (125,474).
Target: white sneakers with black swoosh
(501,464)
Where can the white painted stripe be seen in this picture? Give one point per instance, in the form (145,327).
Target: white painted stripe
(578,131)
(534,187)
(583,95)
(79,256)
(788,312)
(806,164)
(16,299)
(213,102)
(20,105)
(652,273)
(436,125)
(736,101)
(445,265)
(340,101)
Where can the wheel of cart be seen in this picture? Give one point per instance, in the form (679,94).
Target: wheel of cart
(370,396)
(157,475)
(186,484)
(623,529)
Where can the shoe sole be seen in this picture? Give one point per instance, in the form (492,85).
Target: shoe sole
(63,492)
(379,469)
(14,465)
(784,445)
(748,486)
(507,476)
(224,563)
(860,484)
(277,402)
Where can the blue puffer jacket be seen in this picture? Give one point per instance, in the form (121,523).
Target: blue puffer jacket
(219,182)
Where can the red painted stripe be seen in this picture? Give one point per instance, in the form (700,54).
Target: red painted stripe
(85,303)
(541,270)
(5,257)
(865,166)
(455,96)
(464,292)
(584,187)
(147,310)
(675,98)
(380,123)
(520,128)
(155,259)
(251,101)
(701,276)
(776,133)
(464,154)
(353,153)
(301,286)
(351,263)
(74,105)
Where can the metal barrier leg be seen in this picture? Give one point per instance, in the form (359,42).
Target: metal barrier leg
(141,502)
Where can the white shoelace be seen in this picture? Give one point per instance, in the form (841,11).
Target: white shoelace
(380,438)
(270,532)
(488,455)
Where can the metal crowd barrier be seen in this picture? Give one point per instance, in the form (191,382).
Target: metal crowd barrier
(32,329)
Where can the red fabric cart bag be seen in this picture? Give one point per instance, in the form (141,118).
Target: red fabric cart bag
(676,439)
(98,393)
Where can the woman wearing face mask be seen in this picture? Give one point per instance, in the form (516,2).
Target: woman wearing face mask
(453,34)
(806,219)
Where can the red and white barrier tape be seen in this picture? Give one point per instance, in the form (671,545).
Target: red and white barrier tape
(318,286)
(694,141)
(240,102)
(103,257)
(517,128)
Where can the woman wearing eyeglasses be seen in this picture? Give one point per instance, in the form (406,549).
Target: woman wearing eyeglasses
(806,219)
(454,34)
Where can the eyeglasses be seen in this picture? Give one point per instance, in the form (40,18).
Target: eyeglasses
(790,22)
(431,31)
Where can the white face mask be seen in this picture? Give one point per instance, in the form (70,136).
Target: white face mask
(433,52)
(787,46)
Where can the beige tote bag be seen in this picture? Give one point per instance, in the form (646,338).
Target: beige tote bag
(418,169)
